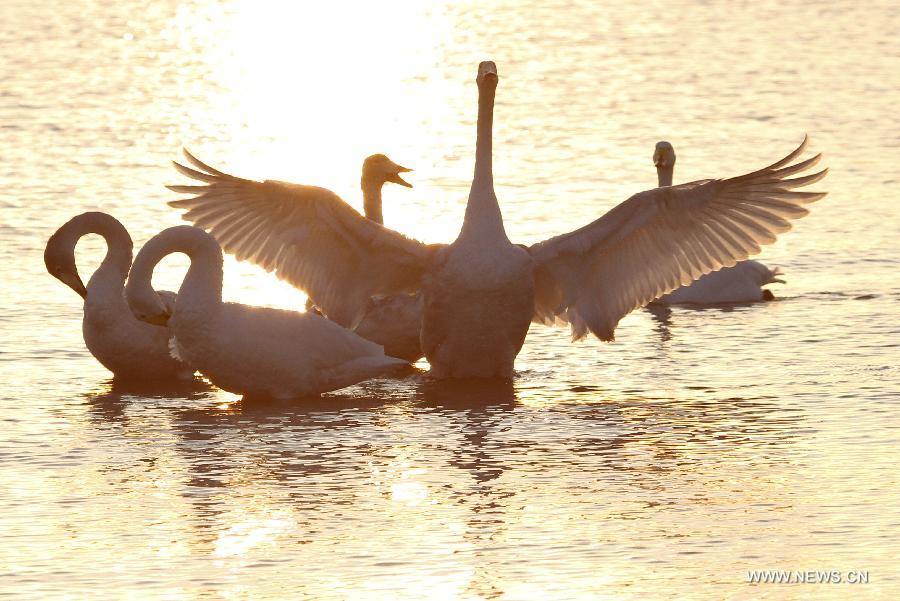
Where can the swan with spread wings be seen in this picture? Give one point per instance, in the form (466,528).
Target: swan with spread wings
(482,291)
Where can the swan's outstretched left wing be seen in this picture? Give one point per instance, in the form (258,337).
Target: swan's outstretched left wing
(661,239)
(307,236)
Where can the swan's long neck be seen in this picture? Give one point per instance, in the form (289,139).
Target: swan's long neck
(664,174)
(483,218)
(200,293)
(371,190)
(106,283)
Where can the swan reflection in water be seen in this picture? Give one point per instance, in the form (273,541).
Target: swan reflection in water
(467,467)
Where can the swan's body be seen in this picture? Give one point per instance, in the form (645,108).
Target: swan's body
(479,302)
(248,350)
(125,346)
(395,322)
(481,292)
(740,283)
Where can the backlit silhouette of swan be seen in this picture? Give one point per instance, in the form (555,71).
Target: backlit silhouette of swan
(254,351)
(741,283)
(127,347)
(482,291)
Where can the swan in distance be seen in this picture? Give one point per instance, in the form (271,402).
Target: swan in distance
(253,351)
(127,347)
(481,292)
(393,321)
(740,283)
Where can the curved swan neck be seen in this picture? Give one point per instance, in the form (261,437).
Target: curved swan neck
(483,218)
(371,190)
(111,274)
(202,286)
(119,251)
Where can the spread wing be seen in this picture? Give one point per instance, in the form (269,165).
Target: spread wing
(664,238)
(307,235)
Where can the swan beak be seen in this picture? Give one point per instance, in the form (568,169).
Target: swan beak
(73,281)
(396,179)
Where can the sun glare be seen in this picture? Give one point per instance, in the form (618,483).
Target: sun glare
(304,96)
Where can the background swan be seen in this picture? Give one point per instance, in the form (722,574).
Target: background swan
(740,283)
(377,170)
(249,350)
(125,346)
(393,321)
(481,291)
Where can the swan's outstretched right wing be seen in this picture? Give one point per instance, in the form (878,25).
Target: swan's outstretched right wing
(661,239)
(306,235)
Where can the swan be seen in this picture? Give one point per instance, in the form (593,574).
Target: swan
(125,346)
(740,283)
(481,292)
(393,321)
(248,350)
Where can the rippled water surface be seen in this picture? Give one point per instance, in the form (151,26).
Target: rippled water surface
(701,445)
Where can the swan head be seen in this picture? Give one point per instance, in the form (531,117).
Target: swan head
(487,75)
(150,309)
(59,258)
(664,155)
(379,169)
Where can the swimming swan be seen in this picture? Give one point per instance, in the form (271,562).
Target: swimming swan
(254,351)
(740,283)
(393,321)
(125,346)
(482,291)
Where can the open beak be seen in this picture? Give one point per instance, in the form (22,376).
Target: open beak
(73,281)
(396,179)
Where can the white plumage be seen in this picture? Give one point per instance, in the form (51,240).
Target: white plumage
(127,347)
(481,291)
(254,351)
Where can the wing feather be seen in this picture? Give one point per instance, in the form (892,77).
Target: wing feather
(306,235)
(664,238)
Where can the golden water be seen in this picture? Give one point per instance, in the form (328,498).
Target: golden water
(703,444)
